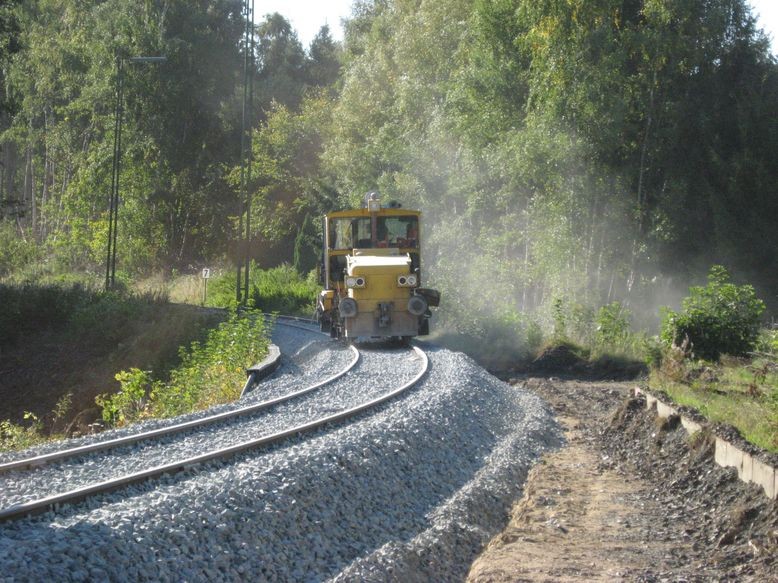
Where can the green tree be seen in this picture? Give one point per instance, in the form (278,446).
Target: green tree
(720,318)
(281,63)
(307,247)
(323,63)
(179,126)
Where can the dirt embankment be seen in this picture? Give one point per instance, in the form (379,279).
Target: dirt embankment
(44,367)
(630,498)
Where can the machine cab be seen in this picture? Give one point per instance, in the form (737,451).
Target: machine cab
(372,273)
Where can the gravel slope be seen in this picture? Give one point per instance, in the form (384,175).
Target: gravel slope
(410,492)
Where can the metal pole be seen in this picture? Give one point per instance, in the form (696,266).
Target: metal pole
(109,246)
(117,165)
(113,199)
(242,251)
(250,154)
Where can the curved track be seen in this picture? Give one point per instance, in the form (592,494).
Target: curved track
(244,416)
(65,454)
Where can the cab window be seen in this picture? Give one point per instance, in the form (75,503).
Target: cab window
(402,231)
(349,233)
(356,232)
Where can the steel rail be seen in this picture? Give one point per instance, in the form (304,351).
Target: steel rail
(46,459)
(53,502)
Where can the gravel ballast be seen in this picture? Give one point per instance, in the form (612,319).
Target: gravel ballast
(361,385)
(307,357)
(411,491)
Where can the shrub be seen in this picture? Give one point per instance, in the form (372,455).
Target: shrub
(280,289)
(105,316)
(15,437)
(534,336)
(213,371)
(612,325)
(130,402)
(720,318)
(27,308)
(582,323)
(16,252)
(560,318)
(768,341)
(653,351)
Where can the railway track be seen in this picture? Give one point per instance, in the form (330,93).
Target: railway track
(301,416)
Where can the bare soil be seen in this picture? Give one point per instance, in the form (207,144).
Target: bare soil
(630,498)
(48,365)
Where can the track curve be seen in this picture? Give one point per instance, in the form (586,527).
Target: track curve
(53,500)
(100,446)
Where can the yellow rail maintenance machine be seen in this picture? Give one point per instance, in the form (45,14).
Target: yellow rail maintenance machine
(371,274)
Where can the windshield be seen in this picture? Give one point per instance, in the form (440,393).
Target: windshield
(356,232)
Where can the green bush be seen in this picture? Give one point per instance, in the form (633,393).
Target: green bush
(213,371)
(95,317)
(283,290)
(612,325)
(720,318)
(768,341)
(653,351)
(535,336)
(14,436)
(27,308)
(15,252)
(129,403)
(105,316)
(559,317)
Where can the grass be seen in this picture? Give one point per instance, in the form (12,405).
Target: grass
(15,436)
(279,289)
(736,391)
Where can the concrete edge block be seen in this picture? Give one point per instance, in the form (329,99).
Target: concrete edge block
(691,427)
(747,471)
(749,468)
(663,410)
(720,452)
(650,400)
(263,369)
(765,476)
(729,456)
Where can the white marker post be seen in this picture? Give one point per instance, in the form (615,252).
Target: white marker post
(206,276)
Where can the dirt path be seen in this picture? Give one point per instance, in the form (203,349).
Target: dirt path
(629,499)
(574,523)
